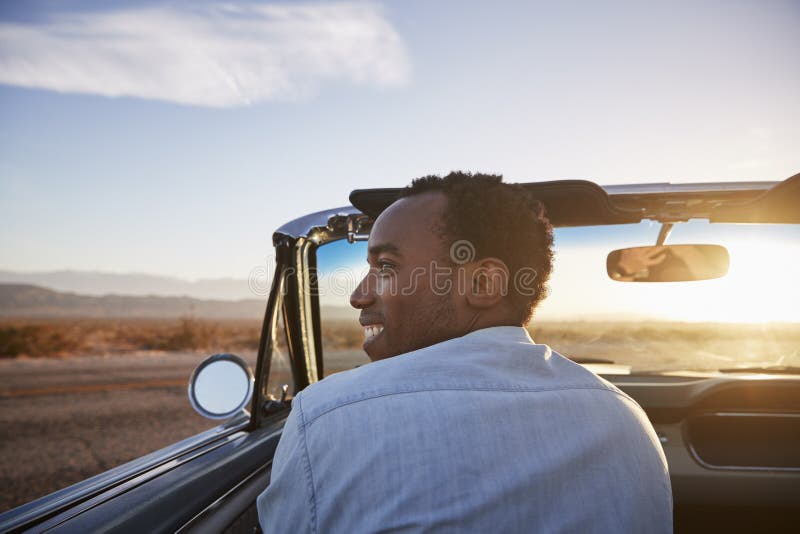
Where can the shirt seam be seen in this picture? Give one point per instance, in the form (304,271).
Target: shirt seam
(465,388)
(307,465)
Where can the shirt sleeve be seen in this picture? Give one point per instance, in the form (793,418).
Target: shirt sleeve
(288,504)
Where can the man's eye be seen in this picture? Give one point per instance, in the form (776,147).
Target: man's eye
(385,267)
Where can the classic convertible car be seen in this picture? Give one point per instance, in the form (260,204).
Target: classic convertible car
(710,348)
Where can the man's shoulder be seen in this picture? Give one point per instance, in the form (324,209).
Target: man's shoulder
(456,365)
(368,381)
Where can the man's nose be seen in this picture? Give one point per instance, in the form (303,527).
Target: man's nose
(364,294)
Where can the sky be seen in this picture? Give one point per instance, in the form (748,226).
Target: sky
(173,138)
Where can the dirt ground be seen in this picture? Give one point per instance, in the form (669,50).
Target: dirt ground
(63,420)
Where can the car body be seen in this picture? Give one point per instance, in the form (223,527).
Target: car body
(729,438)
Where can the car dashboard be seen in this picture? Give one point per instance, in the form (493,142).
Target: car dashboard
(732,445)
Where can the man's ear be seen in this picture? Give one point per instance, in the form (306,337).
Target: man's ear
(487,283)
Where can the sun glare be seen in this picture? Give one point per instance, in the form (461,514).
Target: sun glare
(760,287)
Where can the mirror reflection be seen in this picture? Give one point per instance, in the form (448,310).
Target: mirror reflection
(668,263)
(221,386)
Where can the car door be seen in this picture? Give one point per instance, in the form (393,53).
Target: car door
(208,482)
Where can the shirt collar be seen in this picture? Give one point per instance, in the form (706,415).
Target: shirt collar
(513,334)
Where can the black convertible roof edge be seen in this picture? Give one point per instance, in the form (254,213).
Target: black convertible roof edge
(585,203)
(567,202)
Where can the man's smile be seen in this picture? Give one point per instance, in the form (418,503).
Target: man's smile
(372,330)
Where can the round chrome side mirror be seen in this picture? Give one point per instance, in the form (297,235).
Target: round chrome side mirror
(221,386)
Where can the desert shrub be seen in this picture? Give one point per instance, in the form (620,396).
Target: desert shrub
(38,340)
(187,334)
(655,344)
(340,334)
(66,337)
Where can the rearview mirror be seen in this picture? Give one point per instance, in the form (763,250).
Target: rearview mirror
(668,263)
(221,386)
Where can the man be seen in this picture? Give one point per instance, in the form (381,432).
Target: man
(461,423)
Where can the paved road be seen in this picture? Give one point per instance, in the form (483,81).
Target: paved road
(62,421)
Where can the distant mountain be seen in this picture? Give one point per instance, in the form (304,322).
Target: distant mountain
(19,300)
(29,301)
(98,283)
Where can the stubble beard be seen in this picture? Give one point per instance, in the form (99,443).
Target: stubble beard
(427,324)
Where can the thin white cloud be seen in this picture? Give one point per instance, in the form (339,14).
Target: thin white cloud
(218,56)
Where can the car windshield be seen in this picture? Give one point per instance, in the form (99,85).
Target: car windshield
(749,318)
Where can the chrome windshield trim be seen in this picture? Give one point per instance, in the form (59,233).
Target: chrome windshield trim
(303,226)
(702,187)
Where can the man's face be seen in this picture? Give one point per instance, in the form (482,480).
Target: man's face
(404,300)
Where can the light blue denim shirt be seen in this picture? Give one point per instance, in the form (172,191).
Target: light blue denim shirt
(486,432)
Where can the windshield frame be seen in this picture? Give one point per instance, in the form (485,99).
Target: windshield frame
(339,228)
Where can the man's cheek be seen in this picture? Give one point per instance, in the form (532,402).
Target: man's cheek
(387,287)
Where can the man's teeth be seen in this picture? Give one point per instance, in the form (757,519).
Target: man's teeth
(372,330)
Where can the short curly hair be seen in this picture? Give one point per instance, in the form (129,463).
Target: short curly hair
(500,220)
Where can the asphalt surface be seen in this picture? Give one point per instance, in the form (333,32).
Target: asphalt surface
(63,420)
